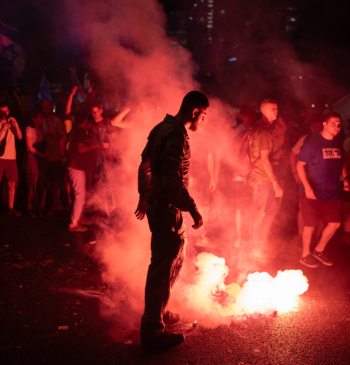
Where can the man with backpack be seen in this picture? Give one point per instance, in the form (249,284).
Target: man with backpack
(262,179)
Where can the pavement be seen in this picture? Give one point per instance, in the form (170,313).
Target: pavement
(51,289)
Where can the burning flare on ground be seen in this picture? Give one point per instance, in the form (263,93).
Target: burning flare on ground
(261,293)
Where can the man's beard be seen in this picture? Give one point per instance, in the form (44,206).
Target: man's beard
(194,126)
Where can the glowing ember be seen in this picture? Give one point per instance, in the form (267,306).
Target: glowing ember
(261,293)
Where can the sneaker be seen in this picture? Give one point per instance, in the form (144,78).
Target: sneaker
(77,228)
(162,339)
(32,214)
(309,261)
(170,318)
(41,214)
(321,256)
(86,221)
(14,212)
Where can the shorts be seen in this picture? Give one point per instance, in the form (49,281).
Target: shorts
(54,170)
(10,169)
(313,210)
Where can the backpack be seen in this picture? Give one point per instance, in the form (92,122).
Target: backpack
(242,164)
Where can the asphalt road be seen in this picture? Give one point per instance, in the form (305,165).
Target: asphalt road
(43,267)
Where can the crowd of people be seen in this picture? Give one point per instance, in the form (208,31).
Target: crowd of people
(68,151)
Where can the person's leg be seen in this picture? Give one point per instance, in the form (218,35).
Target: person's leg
(260,196)
(78,179)
(271,207)
(307,236)
(12,193)
(327,234)
(168,250)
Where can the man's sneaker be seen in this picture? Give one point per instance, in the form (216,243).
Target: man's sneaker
(14,212)
(321,256)
(77,228)
(309,261)
(162,339)
(86,221)
(170,318)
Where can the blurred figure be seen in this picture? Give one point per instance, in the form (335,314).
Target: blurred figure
(265,186)
(79,163)
(9,129)
(320,165)
(56,137)
(35,164)
(163,188)
(316,127)
(101,130)
(278,158)
(241,191)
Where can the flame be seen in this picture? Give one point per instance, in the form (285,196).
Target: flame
(261,293)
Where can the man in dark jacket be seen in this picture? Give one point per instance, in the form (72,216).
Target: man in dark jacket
(163,188)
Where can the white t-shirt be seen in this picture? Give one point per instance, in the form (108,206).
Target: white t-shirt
(35,134)
(10,148)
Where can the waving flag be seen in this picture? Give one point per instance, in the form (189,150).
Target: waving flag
(44,89)
(12,55)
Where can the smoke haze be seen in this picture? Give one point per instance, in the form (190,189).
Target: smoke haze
(136,61)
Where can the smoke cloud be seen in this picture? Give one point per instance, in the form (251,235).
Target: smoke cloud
(127,46)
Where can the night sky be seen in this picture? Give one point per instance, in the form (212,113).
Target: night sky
(323,40)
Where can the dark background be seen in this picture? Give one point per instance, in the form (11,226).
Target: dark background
(272,40)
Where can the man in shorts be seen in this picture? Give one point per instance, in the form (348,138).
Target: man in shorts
(9,129)
(320,165)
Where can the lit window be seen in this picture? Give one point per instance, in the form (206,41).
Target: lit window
(222,11)
(312,105)
(195,4)
(209,26)
(326,105)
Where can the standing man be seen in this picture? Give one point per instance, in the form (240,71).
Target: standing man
(55,135)
(9,129)
(262,179)
(163,187)
(320,165)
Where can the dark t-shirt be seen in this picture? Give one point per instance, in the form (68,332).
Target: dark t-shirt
(324,161)
(99,132)
(78,161)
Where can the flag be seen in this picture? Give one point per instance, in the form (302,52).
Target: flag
(12,55)
(44,89)
(75,82)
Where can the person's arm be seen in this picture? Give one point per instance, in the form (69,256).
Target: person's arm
(70,100)
(213,169)
(15,128)
(172,178)
(302,174)
(83,148)
(29,143)
(293,166)
(264,158)
(144,183)
(5,127)
(118,121)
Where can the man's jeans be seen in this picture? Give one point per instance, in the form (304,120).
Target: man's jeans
(264,209)
(168,246)
(78,179)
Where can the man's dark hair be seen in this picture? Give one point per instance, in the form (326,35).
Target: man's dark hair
(3,115)
(32,114)
(192,100)
(3,104)
(96,104)
(330,115)
(268,101)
